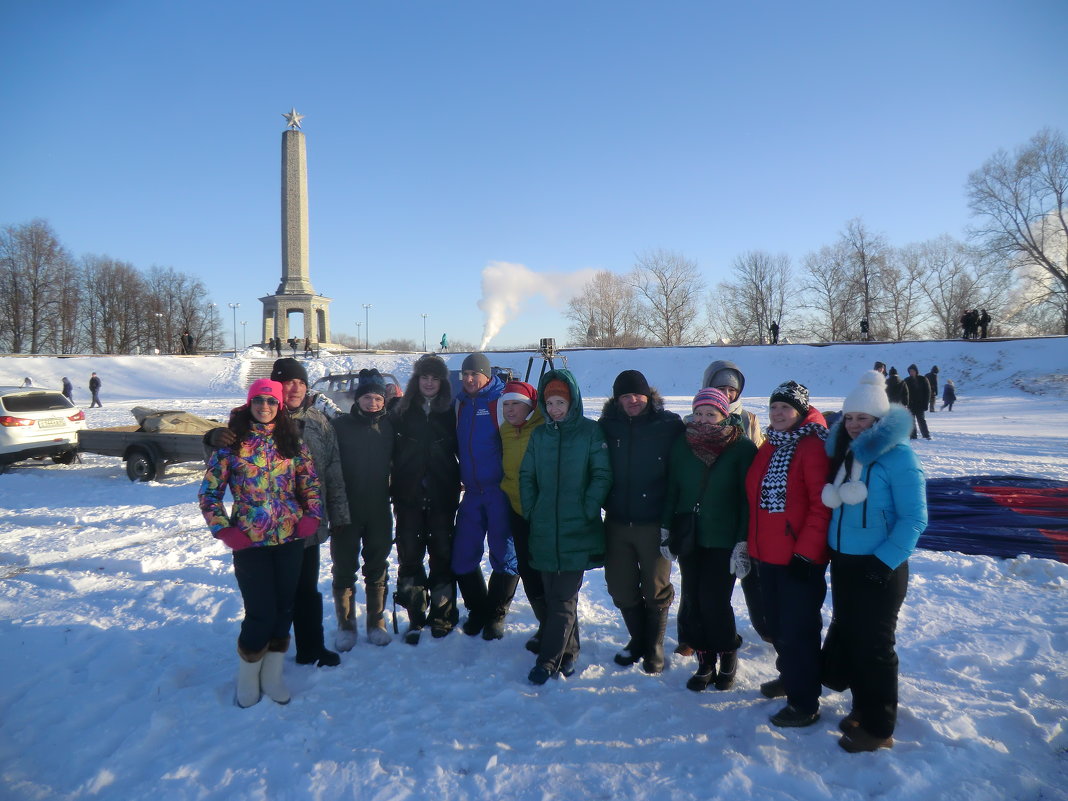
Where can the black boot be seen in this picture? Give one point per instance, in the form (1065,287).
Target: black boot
(655,626)
(476,599)
(634,618)
(538,605)
(501,591)
(728,666)
(412,595)
(443,612)
(706,672)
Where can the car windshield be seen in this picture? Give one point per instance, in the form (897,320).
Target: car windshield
(35,402)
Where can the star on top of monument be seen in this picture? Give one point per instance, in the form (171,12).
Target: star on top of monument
(293,118)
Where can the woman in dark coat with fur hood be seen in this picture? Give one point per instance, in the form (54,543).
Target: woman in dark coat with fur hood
(878,496)
(425,487)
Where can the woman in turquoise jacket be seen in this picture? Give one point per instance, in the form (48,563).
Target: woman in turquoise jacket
(563,482)
(878,496)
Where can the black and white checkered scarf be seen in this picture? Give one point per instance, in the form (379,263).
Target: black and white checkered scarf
(773,487)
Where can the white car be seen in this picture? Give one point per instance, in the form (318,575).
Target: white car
(37,424)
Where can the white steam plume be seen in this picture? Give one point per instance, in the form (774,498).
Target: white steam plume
(506,286)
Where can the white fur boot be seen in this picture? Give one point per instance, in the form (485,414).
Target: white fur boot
(248,682)
(271,679)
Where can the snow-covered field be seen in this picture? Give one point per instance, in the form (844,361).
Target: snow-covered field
(119,613)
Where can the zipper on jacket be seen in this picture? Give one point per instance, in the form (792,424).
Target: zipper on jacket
(556,504)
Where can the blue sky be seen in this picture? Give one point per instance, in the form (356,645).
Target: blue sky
(561,136)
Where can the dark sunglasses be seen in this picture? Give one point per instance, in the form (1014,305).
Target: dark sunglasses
(265,399)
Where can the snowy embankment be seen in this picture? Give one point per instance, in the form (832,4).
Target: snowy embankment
(119,614)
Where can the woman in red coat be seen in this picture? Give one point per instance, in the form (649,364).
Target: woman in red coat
(788,546)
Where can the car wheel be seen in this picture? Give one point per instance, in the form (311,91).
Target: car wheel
(140,465)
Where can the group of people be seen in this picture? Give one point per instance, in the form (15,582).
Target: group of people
(552,493)
(917,393)
(274,345)
(974,323)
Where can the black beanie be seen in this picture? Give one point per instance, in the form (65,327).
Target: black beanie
(371,381)
(792,393)
(479,363)
(630,382)
(286,369)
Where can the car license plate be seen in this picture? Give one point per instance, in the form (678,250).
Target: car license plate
(50,422)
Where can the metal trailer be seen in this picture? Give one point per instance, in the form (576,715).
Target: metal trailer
(146,453)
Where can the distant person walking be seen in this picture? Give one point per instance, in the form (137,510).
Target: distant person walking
(864,330)
(919,394)
(68,389)
(773,329)
(949,395)
(444,342)
(932,379)
(896,389)
(94,389)
(984,323)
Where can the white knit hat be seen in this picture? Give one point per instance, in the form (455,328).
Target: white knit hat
(869,397)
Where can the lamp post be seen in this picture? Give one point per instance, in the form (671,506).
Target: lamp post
(211,324)
(234,307)
(367,325)
(425,315)
(244,342)
(159,330)
(359,326)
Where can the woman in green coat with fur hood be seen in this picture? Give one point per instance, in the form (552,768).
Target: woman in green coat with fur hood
(563,481)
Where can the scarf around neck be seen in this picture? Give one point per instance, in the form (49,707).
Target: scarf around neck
(773,486)
(708,441)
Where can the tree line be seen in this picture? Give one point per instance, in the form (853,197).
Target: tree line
(52,302)
(1014,265)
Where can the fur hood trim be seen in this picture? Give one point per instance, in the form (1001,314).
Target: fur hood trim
(611,406)
(889,432)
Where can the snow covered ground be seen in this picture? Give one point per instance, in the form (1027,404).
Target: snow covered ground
(119,613)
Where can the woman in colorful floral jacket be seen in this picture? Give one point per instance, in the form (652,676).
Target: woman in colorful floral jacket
(276,506)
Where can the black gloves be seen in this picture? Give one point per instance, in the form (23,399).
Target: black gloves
(877,571)
(800,567)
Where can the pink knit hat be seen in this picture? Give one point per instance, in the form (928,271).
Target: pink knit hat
(265,386)
(710,396)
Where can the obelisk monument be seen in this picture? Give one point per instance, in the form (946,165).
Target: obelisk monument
(295,294)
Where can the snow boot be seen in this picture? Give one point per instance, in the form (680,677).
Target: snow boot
(412,595)
(501,591)
(376,619)
(655,626)
(706,672)
(249,668)
(476,599)
(271,677)
(540,674)
(311,645)
(443,612)
(728,666)
(345,609)
(634,618)
(538,606)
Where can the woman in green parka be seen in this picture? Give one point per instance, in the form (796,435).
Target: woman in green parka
(563,481)
(708,465)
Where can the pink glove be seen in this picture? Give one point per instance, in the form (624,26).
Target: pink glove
(234,538)
(307,527)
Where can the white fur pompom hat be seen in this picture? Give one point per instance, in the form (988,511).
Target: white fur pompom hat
(869,397)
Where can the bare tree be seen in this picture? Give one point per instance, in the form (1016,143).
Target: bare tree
(114,319)
(830,291)
(900,283)
(32,266)
(955,278)
(742,309)
(605,313)
(868,255)
(670,287)
(1020,201)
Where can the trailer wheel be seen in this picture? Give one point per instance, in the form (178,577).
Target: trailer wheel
(67,457)
(140,466)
